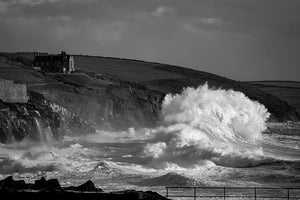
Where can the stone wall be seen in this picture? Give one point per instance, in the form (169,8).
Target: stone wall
(11,92)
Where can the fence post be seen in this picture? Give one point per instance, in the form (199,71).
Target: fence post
(224,192)
(195,193)
(255,193)
(288,193)
(167,192)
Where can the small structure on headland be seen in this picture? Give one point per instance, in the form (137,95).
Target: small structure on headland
(60,63)
(13,93)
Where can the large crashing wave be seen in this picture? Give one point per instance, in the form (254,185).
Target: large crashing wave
(203,124)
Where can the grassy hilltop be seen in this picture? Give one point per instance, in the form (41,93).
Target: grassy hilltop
(288,91)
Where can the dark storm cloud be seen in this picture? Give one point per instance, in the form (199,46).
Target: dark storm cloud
(240,39)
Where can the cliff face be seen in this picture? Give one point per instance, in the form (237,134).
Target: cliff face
(27,120)
(115,107)
(36,120)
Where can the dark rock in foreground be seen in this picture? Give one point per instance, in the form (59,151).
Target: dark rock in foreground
(44,184)
(86,187)
(51,189)
(124,195)
(9,184)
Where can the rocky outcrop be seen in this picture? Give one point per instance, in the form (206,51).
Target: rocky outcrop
(70,123)
(51,189)
(48,185)
(10,184)
(87,186)
(27,120)
(36,121)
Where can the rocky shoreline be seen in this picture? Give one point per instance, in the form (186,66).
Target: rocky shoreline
(50,189)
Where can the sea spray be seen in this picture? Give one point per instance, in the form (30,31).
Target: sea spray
(44,133)
(39,157)
(223,126)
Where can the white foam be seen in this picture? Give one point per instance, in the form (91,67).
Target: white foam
(223,126)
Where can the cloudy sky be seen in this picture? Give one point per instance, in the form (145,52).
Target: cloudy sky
(239,39)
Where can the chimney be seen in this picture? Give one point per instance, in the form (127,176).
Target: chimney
(63,53)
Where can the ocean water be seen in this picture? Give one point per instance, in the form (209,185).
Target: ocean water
(206,137)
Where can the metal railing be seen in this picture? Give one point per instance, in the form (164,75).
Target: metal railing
(233,193)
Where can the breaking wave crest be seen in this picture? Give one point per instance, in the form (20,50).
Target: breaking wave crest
(222,126)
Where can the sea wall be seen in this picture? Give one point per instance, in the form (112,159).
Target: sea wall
(13,93)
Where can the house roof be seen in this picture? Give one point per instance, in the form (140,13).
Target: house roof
(50,58)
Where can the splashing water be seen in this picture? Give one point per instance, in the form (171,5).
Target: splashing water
(45,134)
(223,126)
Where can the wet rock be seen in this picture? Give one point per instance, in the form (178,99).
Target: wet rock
(43,184)
(39,184)
(10,184)
(18,121)
(85,187)
(53,184)
(50,189)
(36,118)
(149,195)
(137,195)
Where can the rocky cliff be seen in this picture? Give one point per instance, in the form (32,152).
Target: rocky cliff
(37,120)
